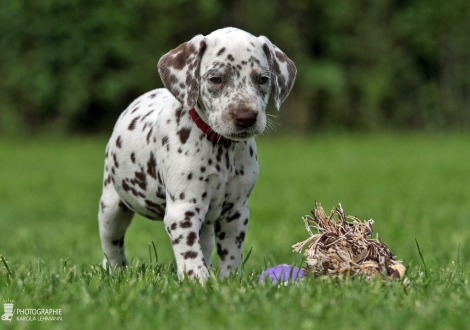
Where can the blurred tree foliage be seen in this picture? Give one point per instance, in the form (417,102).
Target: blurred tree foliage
(363,64)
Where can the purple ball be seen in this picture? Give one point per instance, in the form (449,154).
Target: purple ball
(283,273)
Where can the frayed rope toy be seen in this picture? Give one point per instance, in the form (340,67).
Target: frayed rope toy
(340,248)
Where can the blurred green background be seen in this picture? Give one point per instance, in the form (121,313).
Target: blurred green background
(73,66)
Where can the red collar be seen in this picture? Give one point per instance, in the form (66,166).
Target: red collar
(211,135)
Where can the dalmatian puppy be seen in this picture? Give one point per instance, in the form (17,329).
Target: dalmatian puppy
(187,155)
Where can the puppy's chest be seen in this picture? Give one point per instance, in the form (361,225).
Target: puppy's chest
(212,170)
(209,175)
(222,185)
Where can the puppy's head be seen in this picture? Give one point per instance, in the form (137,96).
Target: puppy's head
(227,76)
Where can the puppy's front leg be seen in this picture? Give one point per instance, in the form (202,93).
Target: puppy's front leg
(230,231)
(183,223)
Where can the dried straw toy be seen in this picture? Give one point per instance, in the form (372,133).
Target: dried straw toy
(342,247)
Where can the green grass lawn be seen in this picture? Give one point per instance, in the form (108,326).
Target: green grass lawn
(413,186)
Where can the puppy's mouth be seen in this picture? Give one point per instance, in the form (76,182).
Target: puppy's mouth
(242,135)
(239,136)
(236,133)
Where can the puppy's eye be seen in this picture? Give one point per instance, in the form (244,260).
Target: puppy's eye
(216,80)
(263,80)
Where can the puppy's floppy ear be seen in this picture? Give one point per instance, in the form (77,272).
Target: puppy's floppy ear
(179,70)
(283,71)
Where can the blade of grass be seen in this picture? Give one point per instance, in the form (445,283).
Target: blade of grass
(155,251)
(422,258)
(247,256)
(6,265)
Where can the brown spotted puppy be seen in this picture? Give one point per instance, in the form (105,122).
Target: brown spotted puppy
(187,155)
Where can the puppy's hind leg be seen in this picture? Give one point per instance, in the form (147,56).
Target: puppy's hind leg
(114,218)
